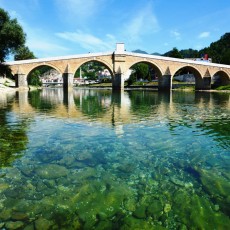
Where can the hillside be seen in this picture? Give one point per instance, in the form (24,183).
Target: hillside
(139,51)
(219,51)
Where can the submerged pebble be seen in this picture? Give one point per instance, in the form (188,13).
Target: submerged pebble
(51,171)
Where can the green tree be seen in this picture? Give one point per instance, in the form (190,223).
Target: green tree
(219,50)
(173,53)
(140,71)
(23,53)
(189,53)
(5,70)
(132,79)
(12,36)
(34,78)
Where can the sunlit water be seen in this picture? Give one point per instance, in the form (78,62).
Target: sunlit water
(94,159)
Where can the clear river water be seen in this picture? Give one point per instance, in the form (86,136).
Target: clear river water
(97,159)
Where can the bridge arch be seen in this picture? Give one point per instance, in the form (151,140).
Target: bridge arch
(187,69)
(33,77)
(40,65)
(154,72)
(107,65)
(149,62)
(220,78)
(190,68)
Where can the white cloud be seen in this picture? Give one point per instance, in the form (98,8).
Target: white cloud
(41,46)
(45,48)
(78,10)
(204,35)
(175,34)
(142,22)
(89,41)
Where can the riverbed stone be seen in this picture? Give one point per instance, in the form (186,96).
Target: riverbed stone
(14,225)
(140,212)
(14,173)
(93,203)
(136,224)
(51,171)
(29,227)
(43,224)
(155,209)
(104,225)
(177,181)
(214,183)
(87,172)
(19,216)
(196,211)
(217,186)
(3,186)
(127,167)
(5,214)
(84,155)
(130,204)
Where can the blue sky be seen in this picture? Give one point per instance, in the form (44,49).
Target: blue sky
(66,27)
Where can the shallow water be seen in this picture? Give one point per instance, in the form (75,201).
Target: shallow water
(93,159)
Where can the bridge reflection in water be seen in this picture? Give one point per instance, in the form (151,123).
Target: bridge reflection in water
(114,107)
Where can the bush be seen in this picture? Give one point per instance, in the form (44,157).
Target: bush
(224,87)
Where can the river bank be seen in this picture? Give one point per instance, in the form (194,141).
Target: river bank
(8,85)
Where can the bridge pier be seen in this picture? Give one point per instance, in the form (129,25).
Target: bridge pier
(67,81)
(203,83)
(21,80)
(118,81)
(165,83)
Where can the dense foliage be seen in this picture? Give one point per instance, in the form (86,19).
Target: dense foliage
(24,53)
(140,71)
(34,78)
(12,36)
(174,53)
(12,42)
(219,51)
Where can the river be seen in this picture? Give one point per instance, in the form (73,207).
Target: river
(97,159)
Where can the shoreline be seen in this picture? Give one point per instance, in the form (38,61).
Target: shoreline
(7,89)
(10,89)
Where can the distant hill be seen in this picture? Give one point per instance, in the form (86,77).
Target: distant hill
(157,54)
(144,52)
(139,51)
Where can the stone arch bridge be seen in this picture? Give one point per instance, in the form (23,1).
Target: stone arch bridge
(119,62)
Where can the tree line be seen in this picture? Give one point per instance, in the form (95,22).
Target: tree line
(219,51)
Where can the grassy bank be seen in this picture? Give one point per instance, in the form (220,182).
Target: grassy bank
(225,87)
